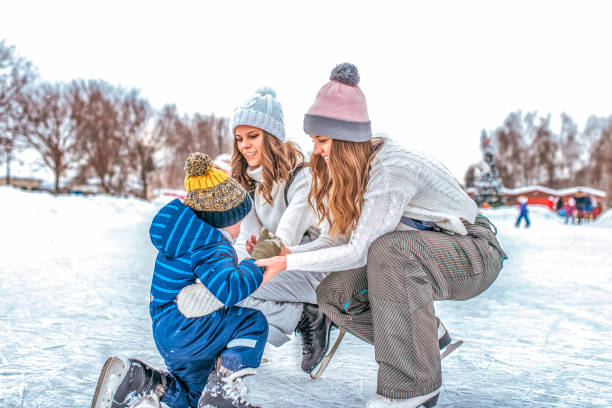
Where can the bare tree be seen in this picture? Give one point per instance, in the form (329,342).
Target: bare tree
(15,75)
(49,128)
(470,176)
(134,116)
(174,130)
(569,148)
(600,158)
(107,119)
(511,150)
(184,135)
(542,154)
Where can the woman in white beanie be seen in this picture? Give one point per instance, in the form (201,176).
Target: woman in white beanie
(408,235)
(273,170)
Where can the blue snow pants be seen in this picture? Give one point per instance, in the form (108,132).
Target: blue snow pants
(190,347)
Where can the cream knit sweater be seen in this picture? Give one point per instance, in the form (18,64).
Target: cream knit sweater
(401,183)
(287,222)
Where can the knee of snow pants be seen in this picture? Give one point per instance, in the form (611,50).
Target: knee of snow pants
(247,341)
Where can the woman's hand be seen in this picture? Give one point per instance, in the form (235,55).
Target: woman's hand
(284,251)
(274,266)
(250,244)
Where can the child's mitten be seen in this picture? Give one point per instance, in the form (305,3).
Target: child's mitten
(268,245)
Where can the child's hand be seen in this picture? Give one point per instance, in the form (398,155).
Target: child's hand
(274,266)
(250,244)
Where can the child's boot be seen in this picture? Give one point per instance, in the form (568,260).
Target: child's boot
(225,389)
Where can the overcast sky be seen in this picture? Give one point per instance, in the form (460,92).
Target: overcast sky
(434,73)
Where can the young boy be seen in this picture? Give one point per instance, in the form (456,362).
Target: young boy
(204,340)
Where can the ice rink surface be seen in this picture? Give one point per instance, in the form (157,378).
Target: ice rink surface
(74,290)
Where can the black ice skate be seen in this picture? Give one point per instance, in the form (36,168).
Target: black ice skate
(315,329)
(225,389)
(124,383)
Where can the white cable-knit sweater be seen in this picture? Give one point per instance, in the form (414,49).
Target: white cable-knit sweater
(401,183)
(287,222)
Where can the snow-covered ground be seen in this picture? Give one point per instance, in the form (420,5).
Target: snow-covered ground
(74,288)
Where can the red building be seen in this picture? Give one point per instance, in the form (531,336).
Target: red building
(548,196)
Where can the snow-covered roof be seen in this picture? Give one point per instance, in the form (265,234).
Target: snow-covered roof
(554,192)
(587,190)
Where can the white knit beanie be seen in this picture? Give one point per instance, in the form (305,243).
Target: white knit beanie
(262,111)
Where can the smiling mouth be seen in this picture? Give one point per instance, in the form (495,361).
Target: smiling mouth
(248,155)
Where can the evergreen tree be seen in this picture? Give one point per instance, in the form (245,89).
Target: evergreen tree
(489,184)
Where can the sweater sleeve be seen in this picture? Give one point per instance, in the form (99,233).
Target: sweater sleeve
(385,200)
(230,282)
(250,225)
(323,241)
(297,217)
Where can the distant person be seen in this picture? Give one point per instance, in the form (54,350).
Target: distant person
(580,200)
(570,210)
(559,206)
(523,212)
(597,210)
(550,203)
(204,341)
(588,208)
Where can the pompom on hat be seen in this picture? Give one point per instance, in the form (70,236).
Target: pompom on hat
(340,110)
(263,111)
(218,199)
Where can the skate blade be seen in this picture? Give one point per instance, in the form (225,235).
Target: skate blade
(112,374)
(450,348)
(327,358)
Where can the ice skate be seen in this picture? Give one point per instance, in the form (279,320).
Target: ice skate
(318,371)
(427,401)
(444,340)
(225,389)
(315,329)
(123,383)
(444,337)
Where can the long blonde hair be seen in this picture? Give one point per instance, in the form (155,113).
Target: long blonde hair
(338,186)
(279,159)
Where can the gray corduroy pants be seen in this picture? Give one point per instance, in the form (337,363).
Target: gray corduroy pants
(389,302)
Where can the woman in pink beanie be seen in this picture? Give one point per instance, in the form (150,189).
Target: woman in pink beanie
(398,232)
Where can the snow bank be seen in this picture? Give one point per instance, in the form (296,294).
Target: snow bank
(23,208)
(43,224)
(604,219)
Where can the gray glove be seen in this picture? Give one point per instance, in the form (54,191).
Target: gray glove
(268,245)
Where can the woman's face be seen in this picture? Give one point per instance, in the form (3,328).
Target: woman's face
(322,146)
(249,141)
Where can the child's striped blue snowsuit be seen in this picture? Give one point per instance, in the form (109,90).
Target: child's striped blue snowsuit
(189,249)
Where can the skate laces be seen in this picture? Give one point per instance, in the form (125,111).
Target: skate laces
(233,387)
(303,327)
(151,400)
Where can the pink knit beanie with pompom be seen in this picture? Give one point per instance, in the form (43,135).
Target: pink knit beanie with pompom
(340,110)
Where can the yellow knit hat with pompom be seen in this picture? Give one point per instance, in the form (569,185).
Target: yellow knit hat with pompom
(220,199)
